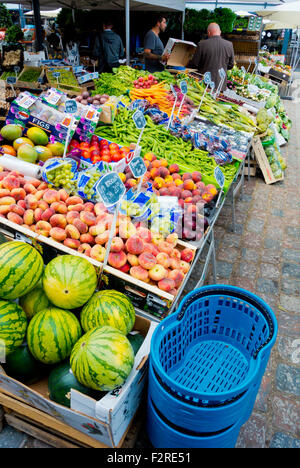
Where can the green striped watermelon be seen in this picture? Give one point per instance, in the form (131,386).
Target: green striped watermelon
(21,267)
(13,325)
(51,334)
(102,359)
(108,307)
(69,281)
(34,301)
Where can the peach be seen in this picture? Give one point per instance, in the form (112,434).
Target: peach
(61,208)
(99,208)
(176,176)
(196,176)
(58,220)
(102,238)
(3,174)
(17,209)
(74,200)
(97,252)
(81,226)
(135,245)
(71,215)
(7,201)
(131,183)
(211,189)
(72,243)
(43,228)
(176,254)
(31,201)
(5,192)
(188,200)
(117,259)
(166,284)
(117,244)
(87,239)
(178,182)
(38,214)
(157,273)
(42,204)
(85,248)
(51,196)
(163,259)
(150,157)
(63,195)
(39,194)
(88,218)
(28,217)
(186,194)
(164,191)
(156,163)
(14,218)
(125,268)
(158,182)
(152,248)
(43,185)
(184,266)
(187,176)
(173,292)
(58,234)
(29,188)
(187,255)
(72,231)
(147,260)
(139,273)
(156,238)
(207,196)
(126,230)
(4,209)
(163,172)
(166,247)
(174,263)
(35,182)
(188,184)
(89,206)
(22,204)
(46,215)
(144,234)
(97,229)
(174,168)
(18,193)
(172,239)
(177,276)
(78,207)
(10,182)
(133,259)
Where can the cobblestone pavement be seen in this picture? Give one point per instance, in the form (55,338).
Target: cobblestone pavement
(262,256)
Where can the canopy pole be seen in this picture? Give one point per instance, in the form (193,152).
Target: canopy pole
(182,25)
(38,24)
(127,27)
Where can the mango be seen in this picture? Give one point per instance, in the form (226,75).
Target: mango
(20,141)
(11,132)
(43,152)
(38,136)
(57,149)
(27,153)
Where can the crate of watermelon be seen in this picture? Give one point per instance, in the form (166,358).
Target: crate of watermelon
(48,340)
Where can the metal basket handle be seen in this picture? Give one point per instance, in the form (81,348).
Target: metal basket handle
(203,292)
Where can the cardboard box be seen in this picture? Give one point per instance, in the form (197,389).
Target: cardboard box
(106,420)
(181,52)
(262,160)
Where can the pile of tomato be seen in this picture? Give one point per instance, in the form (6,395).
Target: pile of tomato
(100,150)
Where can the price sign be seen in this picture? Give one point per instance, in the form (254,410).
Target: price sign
(40,80)
(110,188)
(71,106)
(207,78)
(17,70)
(56,74)
(222,75)
(11,80)
(212,87)
(183,87)
(137,167)
(139,119)
(219,176)
(78,69)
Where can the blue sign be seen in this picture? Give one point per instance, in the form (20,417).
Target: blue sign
(56,74)
(110,189)
(207,78)
(71,106)
(41,80)
(139,119)
(137,167)
(219,176)
(183,87)
(11,80)
(16,69)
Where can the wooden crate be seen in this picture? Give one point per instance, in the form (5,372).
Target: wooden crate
(51,431)
(253,168)
(33,84)
(262,160)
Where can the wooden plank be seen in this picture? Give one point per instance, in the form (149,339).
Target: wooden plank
(32,428)
(1,418)
(262,161)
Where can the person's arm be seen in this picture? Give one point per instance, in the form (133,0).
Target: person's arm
(231,58)
(149,46)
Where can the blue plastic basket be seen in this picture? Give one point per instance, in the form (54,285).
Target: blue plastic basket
(215,346)
(163,434)
(199,418)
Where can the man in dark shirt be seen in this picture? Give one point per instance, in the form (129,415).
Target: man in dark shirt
(212,54)
(154,48)
(108,48)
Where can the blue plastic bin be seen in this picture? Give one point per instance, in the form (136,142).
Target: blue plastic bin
(163,434)
(200,418)
(215,347)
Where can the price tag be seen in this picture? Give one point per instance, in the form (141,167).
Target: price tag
(207,78)
(71,106)
(212,87)
(78,69)
(222,73)
(17,70)
(11,80)
(139,119)
(219,176)
(40,80)
(110,188)
(183,87)
(137,167)
(56,74)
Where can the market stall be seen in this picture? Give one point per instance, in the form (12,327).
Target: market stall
(109,196)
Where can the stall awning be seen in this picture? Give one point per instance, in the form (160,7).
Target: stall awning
(151,5)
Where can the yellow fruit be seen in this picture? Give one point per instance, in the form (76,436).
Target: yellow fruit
(57,149)
(21,141)
(38,136)
(43,152)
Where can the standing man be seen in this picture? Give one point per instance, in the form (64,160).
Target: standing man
(108,48)
(154,48)
(214,53)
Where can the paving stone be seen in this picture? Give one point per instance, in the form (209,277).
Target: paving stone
(288,324)
(245,283)
(253,241)
(291,255)
(229,254)
(290,286)
(251,255)
(224,269)
(255,225)
(271,243)
(286,414)
(288,379)
(281,440)
(267,270)
(267,286)
(290,303)
(277,212)
(293,231)
(263,395)
(11,438)
(289,349)
(270,255)
(247,269)
(274,232)
(252,433)
(291,269)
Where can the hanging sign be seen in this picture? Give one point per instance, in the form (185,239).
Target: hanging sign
(184,90)
(222,75)
(174,105)
(11,80)
(220,178)
(71,106)
(140,123)
(207,78)
(110,189)
(138,169)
